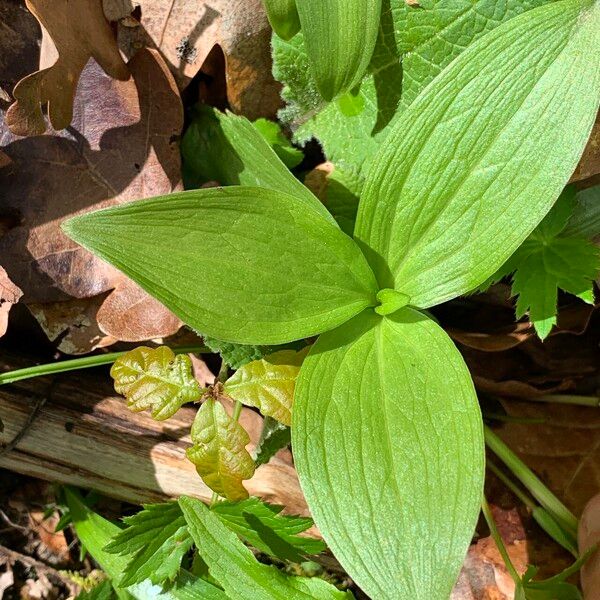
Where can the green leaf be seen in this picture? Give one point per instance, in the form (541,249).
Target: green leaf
(236,355)
(482,154)
(219,451)
(273,437)
(585,220)
(155,379)
(154,544)
(283,17)
(414,45)
(101,591)
(233,565)
(388,444)
(340,36)
(228,149)
(268,384)
(551,259)
(291,157)
(245,265)
(263,526)
(95,533)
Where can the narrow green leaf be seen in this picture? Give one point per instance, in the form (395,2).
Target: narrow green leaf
(228,149)
(95,533)
(246,265)
(340,36)
(482,154)
(154,544)
(268,384)
(234,566)
(283,17)
(155,379)
(388,444)
(219,451)
(273,437)
(263,526)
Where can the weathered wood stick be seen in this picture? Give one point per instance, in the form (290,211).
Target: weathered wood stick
(85,436)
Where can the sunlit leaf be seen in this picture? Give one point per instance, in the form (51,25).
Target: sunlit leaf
(155,379)
(219,451)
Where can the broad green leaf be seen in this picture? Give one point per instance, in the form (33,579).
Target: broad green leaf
(273,437)
(95,533)
(241,264)
(268,384)
(482,154)
(289,155)
(234,566)
(340,36)
(388,444)
(219,451)
(154,544)
(227,148)
(155,379)
(585,221)
(414,45)
(283,17)
(263,526)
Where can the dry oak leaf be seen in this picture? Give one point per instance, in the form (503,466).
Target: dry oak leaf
(186,33)
(122,146)
(79,31)
(9,295)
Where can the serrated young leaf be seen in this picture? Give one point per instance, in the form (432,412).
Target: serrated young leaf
(273,437)
(155,379)
(388,444)
(234,566)
(241,264)
(270,130)
(95,533)
(512,112)
(340,36)
(236,355)
(219,451)
(154,543)
(101,591)
(227,148)
(268,384)
(414,45)
(263,526)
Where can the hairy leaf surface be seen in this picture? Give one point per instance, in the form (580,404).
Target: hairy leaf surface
(340,36)
(481,155)
(219,451)
(155,379)
(234,566)
(241,264)
(388,443)
(268,384)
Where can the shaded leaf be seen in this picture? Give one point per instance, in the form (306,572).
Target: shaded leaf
(511,110)
(585,220)
(121,146)
(268,384)
(235,355)
(263,526)
(154,543)
(274,437)
(306,276)
(219,451)
(155,379)
(79,32)
(101,591)
(234,566)
(377,448)
(291,157)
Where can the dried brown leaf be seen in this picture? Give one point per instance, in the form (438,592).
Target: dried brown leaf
(186,33)
(79,31)
(122,146)
(9,295)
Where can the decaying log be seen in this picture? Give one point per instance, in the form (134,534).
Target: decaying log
(84,435)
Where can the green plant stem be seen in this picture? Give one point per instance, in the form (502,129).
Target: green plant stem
(593,401)
(82,363)
(536,488)
(237,411)
(487,513)
(510,484)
